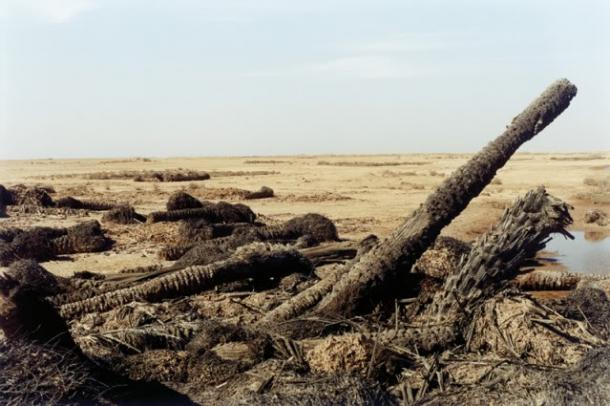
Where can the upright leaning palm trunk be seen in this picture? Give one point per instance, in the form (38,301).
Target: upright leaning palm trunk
(360,288)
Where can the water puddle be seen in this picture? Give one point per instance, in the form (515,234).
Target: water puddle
(589,252)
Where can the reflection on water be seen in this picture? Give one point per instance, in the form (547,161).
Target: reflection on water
(587,253)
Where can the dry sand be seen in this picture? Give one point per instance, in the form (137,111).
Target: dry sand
(362,194)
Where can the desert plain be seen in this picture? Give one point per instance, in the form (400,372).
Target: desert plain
(362,194)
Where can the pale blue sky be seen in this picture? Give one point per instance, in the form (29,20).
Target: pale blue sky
(84,78)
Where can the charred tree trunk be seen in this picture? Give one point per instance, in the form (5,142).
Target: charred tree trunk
(366,280)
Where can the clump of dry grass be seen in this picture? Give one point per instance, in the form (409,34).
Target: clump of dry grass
(596,216)
(413,186)
(589,157)
(603,184)
(222,174)
(266,161)
(598,191)
(397,174)
(436,173)
(171,176)
(43,374)
(315,197)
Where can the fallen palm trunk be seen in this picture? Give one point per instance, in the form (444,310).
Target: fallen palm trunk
(303,301)
(314,227)
(554,280)
(255,261)
(123,215)
(263,193)
(197,231)
(221,212)
(44,243)
(318,227)
(547,280)
(157,336)
(73,203)
(174,252)
(331,253)
(310,297)
(367,279)
(201,230)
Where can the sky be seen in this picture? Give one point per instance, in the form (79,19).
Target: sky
(113,78)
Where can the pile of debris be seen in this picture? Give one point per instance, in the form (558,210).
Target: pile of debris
(291,314)
(44,243)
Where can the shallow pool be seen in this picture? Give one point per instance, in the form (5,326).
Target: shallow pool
(587,253)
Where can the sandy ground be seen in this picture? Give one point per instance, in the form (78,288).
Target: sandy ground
(362,194)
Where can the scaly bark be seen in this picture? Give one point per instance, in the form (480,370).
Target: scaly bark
(255,261)
(493,260)
(359,289)
(221,212)
(73,203)
(310,297)
(547,280)
(315,226)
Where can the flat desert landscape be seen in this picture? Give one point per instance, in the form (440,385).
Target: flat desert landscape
(362,194)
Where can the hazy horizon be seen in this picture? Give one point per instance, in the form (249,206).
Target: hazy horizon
(133,78)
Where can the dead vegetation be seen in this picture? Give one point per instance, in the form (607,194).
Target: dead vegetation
(290,314)
(226,194)
(596,216)
(315,197)
(371,164)
(123,214)
(265,162)
(223,174)
(171,176)
(44,243)
(587,157)
(73,203)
